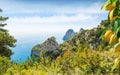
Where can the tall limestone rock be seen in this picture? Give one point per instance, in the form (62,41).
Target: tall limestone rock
(68,34)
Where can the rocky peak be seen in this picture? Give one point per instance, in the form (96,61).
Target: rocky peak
(68,34)
(49,45)
(81,30)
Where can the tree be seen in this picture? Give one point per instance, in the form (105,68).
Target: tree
(6,40)
(113,35)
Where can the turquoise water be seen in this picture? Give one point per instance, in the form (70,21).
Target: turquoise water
(24,45)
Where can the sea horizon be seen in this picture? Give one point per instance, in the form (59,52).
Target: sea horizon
(24,45)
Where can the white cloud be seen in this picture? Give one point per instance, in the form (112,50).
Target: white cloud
(86,17)
(21,8)
(79,14)
(51,19)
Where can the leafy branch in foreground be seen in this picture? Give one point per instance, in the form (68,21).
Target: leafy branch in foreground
(113,34)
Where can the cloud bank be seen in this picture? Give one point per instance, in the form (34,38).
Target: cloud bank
(35,19)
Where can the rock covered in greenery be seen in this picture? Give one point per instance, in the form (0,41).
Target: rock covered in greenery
(68,34)
(88,37)
(48,46)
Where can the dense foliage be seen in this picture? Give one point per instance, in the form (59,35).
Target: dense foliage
(6,40)
(112,35)
(83,54)
(75,58)
(82,62)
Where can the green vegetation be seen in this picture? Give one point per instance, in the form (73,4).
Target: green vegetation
(82,62)
(75,57)
(83,54)
(113,35)
(6,40)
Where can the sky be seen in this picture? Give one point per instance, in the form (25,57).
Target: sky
(33,17)
(33,21)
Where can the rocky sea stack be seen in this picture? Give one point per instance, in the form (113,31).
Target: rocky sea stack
(68,34)
(48,46)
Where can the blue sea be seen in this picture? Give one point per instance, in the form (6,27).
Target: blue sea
(24,44)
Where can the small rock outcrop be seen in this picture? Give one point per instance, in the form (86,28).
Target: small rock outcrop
(81,30)
(68,34)
(48,46)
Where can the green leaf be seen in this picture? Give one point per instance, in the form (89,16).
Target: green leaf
(105,4)
(113,1)
(115,26)
(102,33)
(114,46)
(118,34)
(118,20)
(114,67)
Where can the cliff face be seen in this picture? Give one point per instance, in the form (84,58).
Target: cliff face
(49,46)
(68,34)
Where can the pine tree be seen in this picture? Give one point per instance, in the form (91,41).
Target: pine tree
(6,40)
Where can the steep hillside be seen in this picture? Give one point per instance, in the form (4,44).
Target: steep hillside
(89,38)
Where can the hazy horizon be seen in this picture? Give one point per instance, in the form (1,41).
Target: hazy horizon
(30,20)
(29,17)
